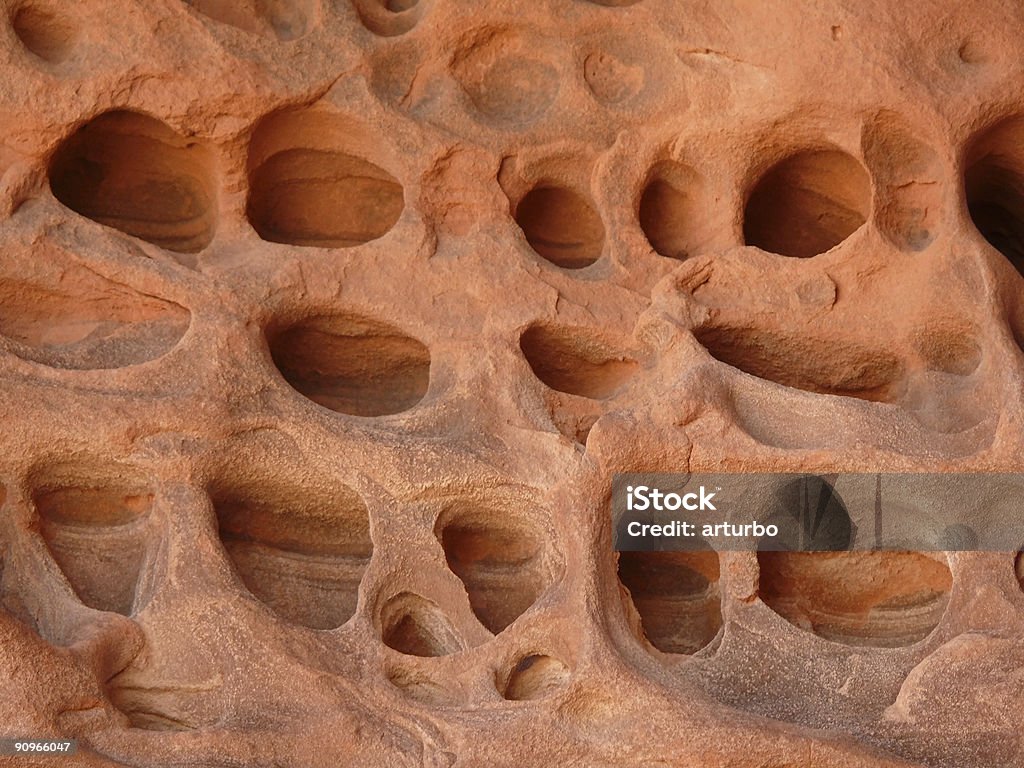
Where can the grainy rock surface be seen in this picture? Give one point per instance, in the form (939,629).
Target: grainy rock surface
(325,325)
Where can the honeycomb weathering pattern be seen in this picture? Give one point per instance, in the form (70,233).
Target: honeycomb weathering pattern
(325,325)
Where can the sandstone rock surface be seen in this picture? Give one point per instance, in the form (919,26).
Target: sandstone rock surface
(324,325)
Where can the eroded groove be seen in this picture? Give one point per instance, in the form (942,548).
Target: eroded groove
(301,553)
(577,361)
(352,364)
(885,599)
(95,523)
(499,559)
(806,363)
(676,595)
(88,323)
(808,203)
(669,210)
(415,626)
(130,171)
(562,225)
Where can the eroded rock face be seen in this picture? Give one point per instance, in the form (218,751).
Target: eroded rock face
(325,325)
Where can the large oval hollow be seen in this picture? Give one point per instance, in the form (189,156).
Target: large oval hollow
(576,361)
(994,188)
(884,599)
(134,173)
(352,364)
(324,199)
(676,595)
(808,203)
(302,554)
(95,524)
(561,225)
(499,560)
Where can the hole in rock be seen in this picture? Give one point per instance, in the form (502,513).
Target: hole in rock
(43,32)
(134,173)
(301,550)
(885,599)
(806,363)
(352,364)
(88,322)
(676,595)
(561,225)
(669,210)
(95,524)
(415,626)
(499,559)
(284,19)
(994,187)
(807,204)
(948,348)
(1018,568)
(535,677)
(323,199)
(390,18)
(399,6)
(576,361)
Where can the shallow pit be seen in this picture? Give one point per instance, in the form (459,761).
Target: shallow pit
(807,203)
(561,225)
(352,364)
(95,522)
(390,18)
(285,20)
(415,626)
(677,596)
(884,598)
(994,188)
(577,361)
(43,31)
(87,322)
(535,676)
(299,549)
(499,559)
(130,171)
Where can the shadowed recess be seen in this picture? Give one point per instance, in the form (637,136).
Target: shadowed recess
(321,198)
(535,677)
(676,595)
(669,210)
(499,559)
(885,599)
(561,225)
(95,523)
(132,172)
(807,204)
(42,31)
(352,364)
(415,626)
(806,363)
(577,361)
(87,322)
(994,187)
(301,550)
